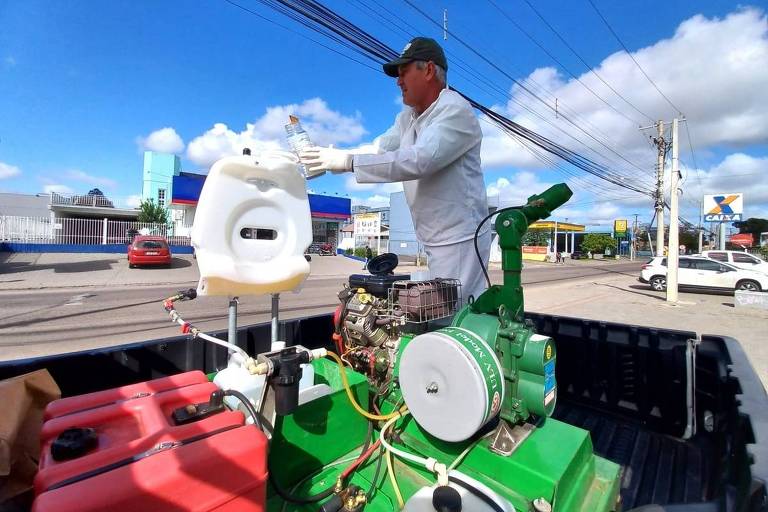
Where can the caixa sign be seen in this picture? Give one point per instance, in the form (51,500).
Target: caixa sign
(723,207)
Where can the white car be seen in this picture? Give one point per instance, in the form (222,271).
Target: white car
(699,273)
(738,259)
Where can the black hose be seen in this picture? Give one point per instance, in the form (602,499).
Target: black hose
(477,232)
(374,480)
(286,495)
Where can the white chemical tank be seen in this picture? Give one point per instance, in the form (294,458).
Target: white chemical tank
(452,382)
(252,226)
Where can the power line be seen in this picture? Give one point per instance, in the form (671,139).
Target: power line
(559,63)
(324,21)
(632,57)
(591,70)
(504,94)
(497,68)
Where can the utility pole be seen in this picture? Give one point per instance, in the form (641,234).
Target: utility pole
(661,145)
(701,226)
(633,247)
(674,251)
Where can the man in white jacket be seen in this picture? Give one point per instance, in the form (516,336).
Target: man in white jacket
(434,149)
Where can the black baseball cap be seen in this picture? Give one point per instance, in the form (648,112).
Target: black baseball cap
(420,48)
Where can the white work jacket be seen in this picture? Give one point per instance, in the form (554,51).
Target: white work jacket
(437,157)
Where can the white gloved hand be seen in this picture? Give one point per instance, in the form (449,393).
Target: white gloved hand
(317,160)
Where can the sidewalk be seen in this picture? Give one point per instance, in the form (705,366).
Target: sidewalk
(621,298)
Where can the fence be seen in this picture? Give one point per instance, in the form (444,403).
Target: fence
(70,231)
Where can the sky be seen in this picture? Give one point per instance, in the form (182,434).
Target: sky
(87,86)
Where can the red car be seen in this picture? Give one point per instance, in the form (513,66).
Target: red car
(149,250)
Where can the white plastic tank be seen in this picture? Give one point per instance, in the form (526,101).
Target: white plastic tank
(252,226)
(452,382)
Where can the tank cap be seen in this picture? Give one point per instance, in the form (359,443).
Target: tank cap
(73,443)
(446,499)
(383,264)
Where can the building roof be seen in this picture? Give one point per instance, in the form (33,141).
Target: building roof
(187,187)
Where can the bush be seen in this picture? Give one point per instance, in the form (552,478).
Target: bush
(348,251)
(360,252)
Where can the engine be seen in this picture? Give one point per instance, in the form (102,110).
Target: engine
(368,335)
(373,316)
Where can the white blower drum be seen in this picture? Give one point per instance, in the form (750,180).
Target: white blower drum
(452,382)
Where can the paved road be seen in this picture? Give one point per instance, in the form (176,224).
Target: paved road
(39,322)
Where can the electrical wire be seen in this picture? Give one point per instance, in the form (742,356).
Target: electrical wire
(573,75)
(397,20)
(615,35)
(583,61)
(460,458)
(319,18)
(314,474)
(519,84)
(283,493)
(477,232)
(348,389)
(376,474)
(393,480)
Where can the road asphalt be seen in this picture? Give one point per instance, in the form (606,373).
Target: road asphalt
(55,303)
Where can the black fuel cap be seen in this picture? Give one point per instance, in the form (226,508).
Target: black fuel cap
(446,499)
(73,443)
(383,264)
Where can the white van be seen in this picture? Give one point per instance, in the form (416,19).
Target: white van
(738,259)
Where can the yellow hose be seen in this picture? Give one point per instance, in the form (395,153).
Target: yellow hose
(391,472)
(375,417)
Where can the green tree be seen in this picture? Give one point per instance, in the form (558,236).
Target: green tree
(151,212)
(597,243)
(535,237)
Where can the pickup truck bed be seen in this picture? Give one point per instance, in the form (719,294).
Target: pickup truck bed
(625,384)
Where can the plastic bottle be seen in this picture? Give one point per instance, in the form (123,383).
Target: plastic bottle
(298,139)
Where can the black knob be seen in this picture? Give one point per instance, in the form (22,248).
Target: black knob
(446,499)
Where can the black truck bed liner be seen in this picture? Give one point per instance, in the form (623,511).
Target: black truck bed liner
(623,383)
(656,468)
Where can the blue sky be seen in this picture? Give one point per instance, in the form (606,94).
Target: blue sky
(85,86)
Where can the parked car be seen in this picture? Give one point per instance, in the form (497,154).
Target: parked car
(699,273)
(738,259)
(149,250)
(578,255)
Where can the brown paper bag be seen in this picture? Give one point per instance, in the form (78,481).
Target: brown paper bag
(22,401)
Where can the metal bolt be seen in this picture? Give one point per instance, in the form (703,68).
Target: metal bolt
(709,421)
(432,388)
(506,223)
(541,505)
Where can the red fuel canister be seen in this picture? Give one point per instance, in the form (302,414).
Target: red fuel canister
(138,459)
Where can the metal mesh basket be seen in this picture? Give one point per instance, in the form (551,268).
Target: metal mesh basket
(423,301)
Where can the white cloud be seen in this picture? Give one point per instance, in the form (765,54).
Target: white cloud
(714,69)
(133,201)
(515,190)
(58,189)
(374,201)
(8,171)
(91,180)
(164,140)
(323,125)
(737,172)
